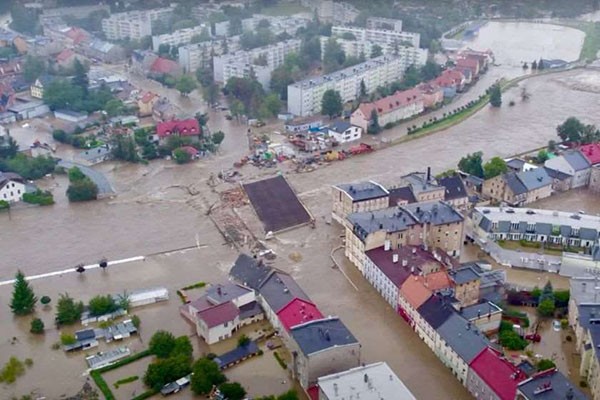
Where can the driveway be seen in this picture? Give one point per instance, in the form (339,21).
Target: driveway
(104,186)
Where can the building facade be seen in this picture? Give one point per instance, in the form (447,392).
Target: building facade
(389,110)
(595,179)
(12,187)
(358,197)
(379,35)
(304,97)
(574,163)
(177,38)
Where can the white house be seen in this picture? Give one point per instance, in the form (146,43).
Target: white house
(343,131)
(12,187)
(574,163)
(218,323)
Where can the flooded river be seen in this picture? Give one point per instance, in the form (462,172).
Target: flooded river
(162,207)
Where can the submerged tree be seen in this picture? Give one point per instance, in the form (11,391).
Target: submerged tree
(23,299)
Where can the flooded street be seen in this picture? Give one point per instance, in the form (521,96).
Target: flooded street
(162,207)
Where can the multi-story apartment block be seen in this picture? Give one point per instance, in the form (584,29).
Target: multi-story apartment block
(134,24)
(379,35)
(432,224)
(384,23)
(357,197)
(304,97)
(356,48)
(259,62)
(199,55)
(555,227)
(177,38)
(389,110)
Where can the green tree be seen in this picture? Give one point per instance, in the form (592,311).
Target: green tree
(167,370)
(272,105)
(571,130)
(80,78)
(210,93)
(82,190)
(181,156)
(100,305)
(232,390)
(545,364)
(37,326)
(374,127)
(472,164)
(206,374)
(60,94)
(162,344)
(536,293)
(331,104)
(123,148)
(496,166)
(114,107)
(29,168)
(546,307)
(333,56)
(542,156)
(495,96)
(23,299)
(363,91)
(33,68)
(561,297)
(376,51)
(75,175)
(185,85)
(8,147)
(430,70)
(547,292)
(68,311)
(237,109)
(217,137)
(243,341)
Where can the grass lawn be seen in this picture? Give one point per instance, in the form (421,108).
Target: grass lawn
(512,245)
(283,9)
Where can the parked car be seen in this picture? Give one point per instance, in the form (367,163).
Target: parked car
(556,325)
(170,388)
(534,337)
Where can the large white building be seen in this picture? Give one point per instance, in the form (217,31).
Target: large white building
(304,97)
(242,64)
(196,55)
(133,24)
(177,38)
(277,25)
(379,35)
(12,187)
(355,48)
(370,382)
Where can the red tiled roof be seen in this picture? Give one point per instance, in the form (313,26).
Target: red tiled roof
(65,55)
(393,102)
(591,152)
(470,63)
(218,315)
(415,292)
(77,35)
(185,127)
(190,150)
(436,280)
(297,312)
(163,66)
(313,392)
(499,374)
(147,97)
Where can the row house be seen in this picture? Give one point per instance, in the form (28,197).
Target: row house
(535,225)
(357,197)
(420,186)
(474,284)
(417,289)
(433,95)
(587,334)
(491,376)
(389,110)
(549,385)
(519,188)
(189,128)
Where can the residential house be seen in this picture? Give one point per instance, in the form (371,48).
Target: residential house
(470,64)
(561,182)
(278,290)
(519,188)
(357,197)
(66,58)
(360,382)
(21,45)
(459,343)
(417,289)
(141,61)
(146,104)
(490,286)
(10,68)
(493,377)
(595,179)
(431,315)
(294,313)
(37,88)
(185,128)
(591,152)
(12,187)
(391,109)
(344,132)
(575,163)
(322,347)
(162,66)
(401,196)
(432,224)
(587,334)
(106,52)
(250,272)
(423,186)
(96,155)
(433,95)
(486,316)
(456,193)
(222,311)
(7,96)
(536,225)
(550,384)
(451,81)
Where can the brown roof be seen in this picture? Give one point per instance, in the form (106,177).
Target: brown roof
(218,315)
(390,103)
(415,292)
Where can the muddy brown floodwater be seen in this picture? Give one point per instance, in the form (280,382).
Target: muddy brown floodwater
(162,207)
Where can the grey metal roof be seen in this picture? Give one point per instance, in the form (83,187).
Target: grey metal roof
(583,289)
(435,212)
(222,293)
(463,337)
(588,234)
(249,271)
(363,190)
(534,178)
(279,289)
(418,182)
(515,185)
(455,188)
(577,160)
(237,354)
(565,230)
(503,226)
(522,227)
(402,193)
(95,153)
(543,228)
(392,219)
(479,310)
(322,334)
(559,384)
(515,163)
(596,253)
(485,224)
(434,311)
(463,275)
(339,126)
(556,174)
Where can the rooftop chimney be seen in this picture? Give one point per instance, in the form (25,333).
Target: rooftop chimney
(404,263)
(428,174)
(394,258)
(387,245)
